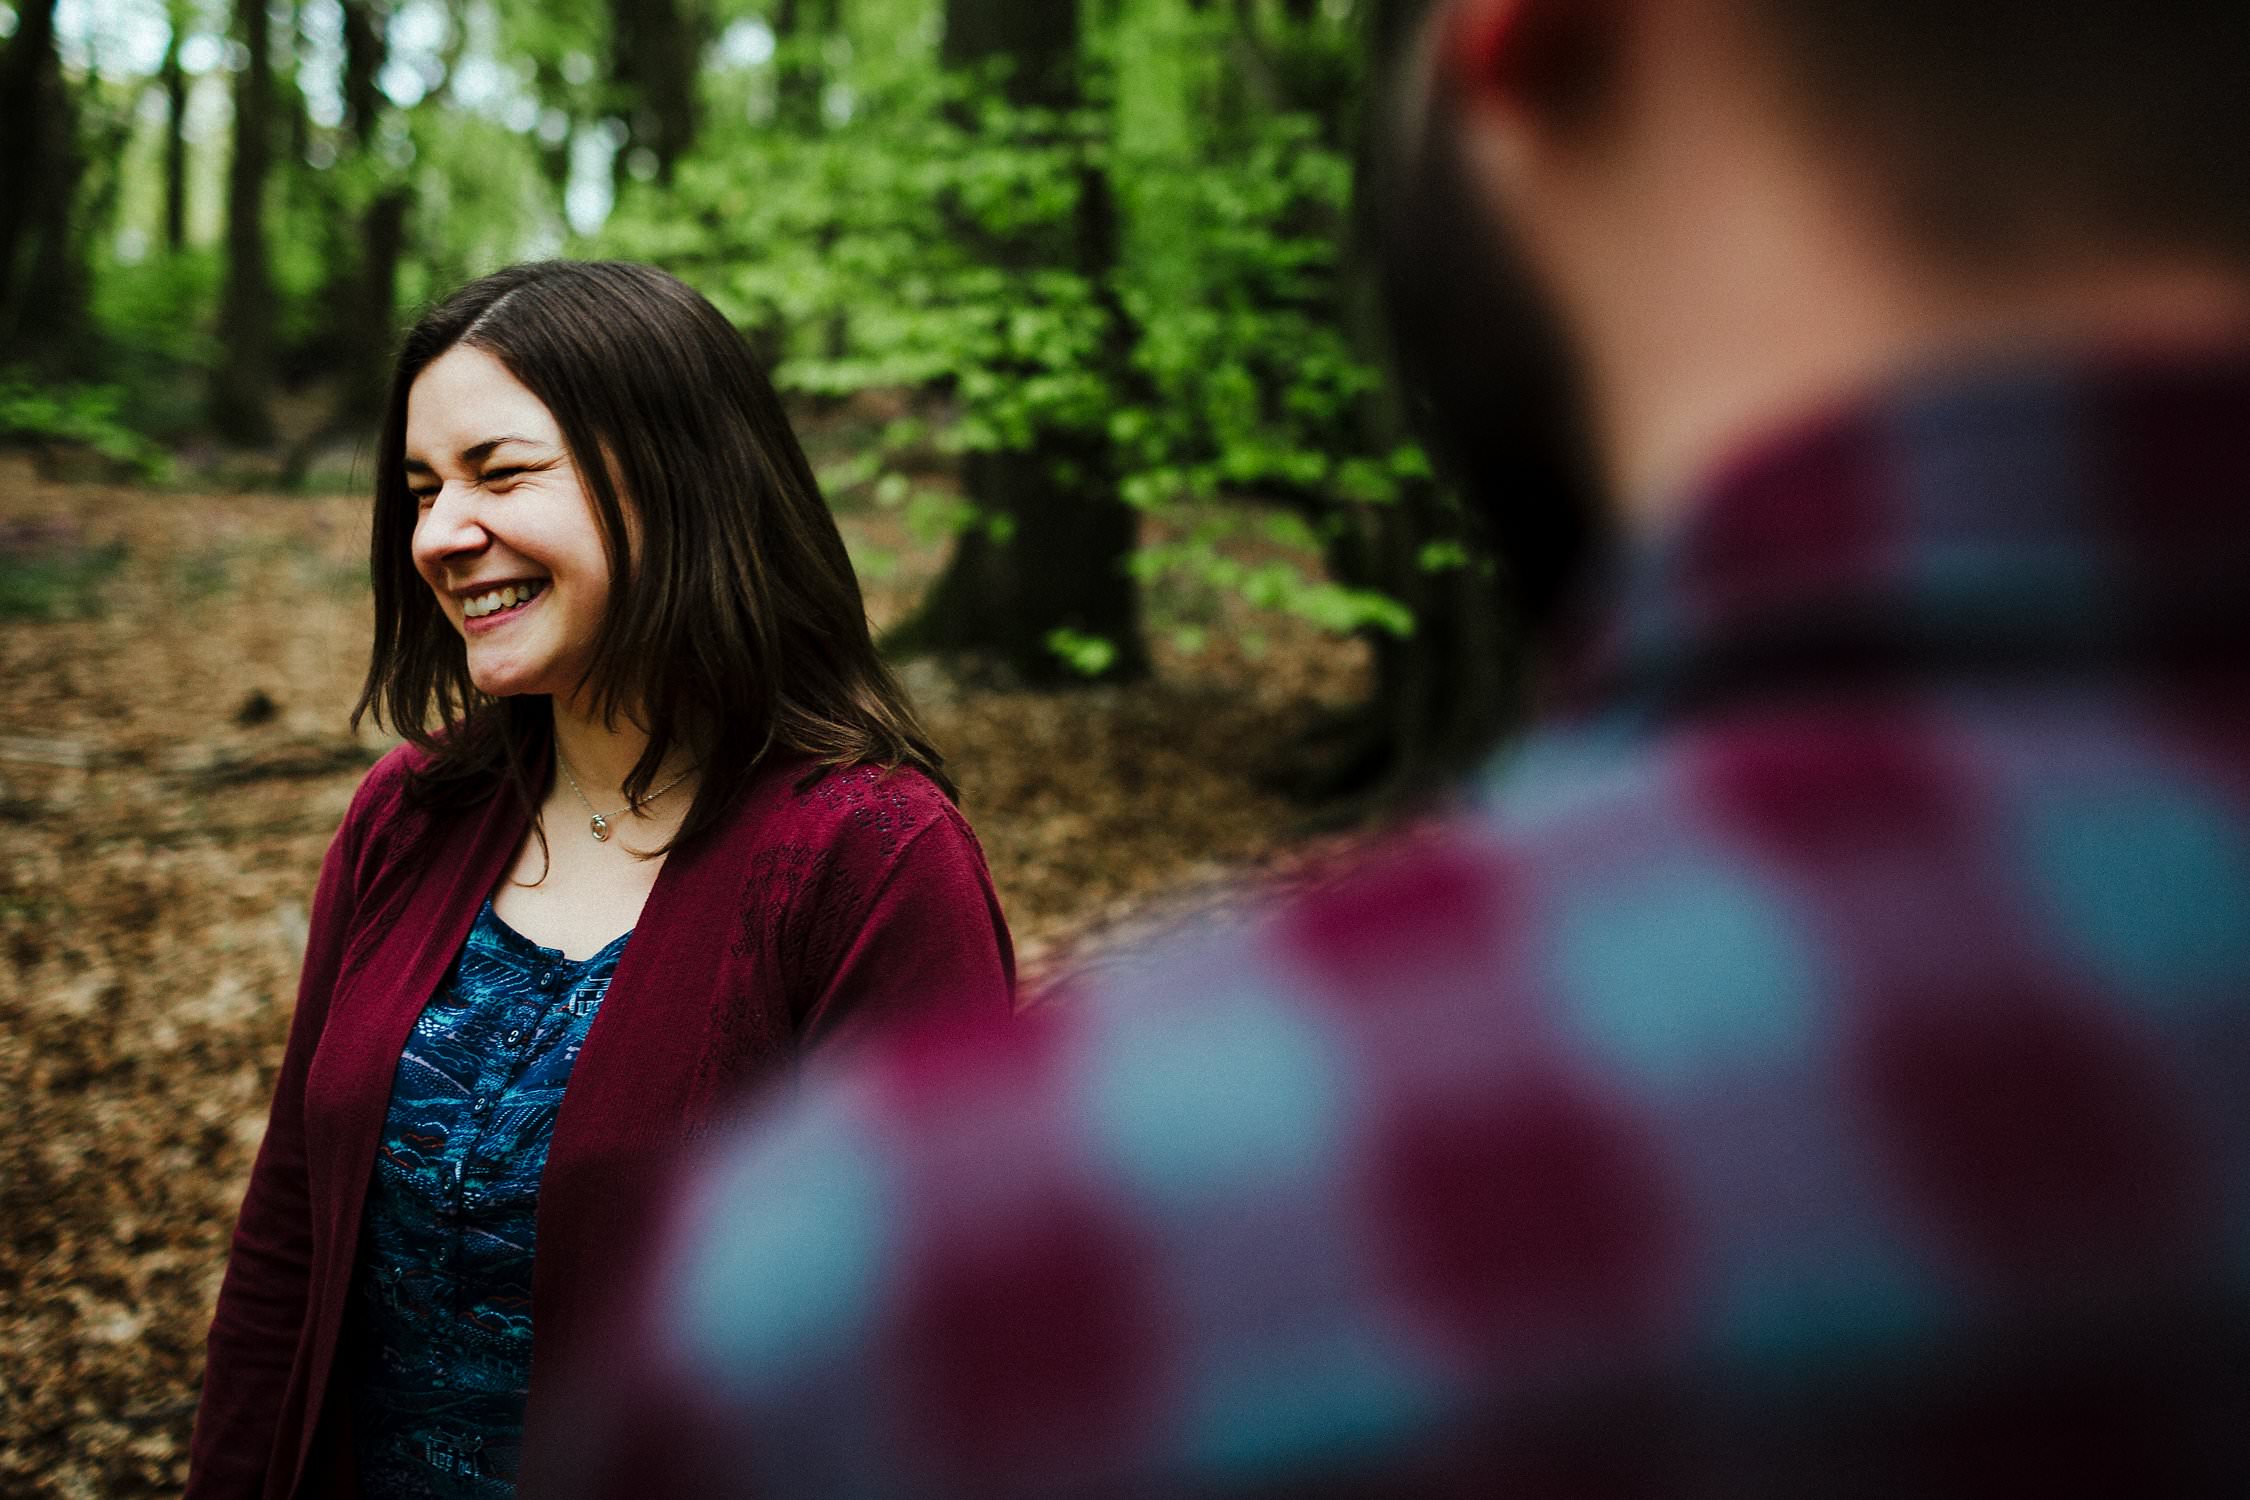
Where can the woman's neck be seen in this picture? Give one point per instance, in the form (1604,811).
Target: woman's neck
(600,756)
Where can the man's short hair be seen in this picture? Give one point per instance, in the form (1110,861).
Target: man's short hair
(2009,126)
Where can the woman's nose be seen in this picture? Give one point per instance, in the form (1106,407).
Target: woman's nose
(450,527)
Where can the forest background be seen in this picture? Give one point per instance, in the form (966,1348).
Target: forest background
(1070,302)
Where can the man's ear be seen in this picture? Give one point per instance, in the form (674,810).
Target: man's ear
(1480,41)
(1545,56)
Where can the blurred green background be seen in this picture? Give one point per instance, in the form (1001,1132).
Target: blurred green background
(1033,275)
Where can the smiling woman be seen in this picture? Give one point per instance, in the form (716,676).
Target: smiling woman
(663,820)
(499,519)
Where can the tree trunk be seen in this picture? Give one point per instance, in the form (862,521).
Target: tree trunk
(43,280)
(1445,696)
(1057,561)
(174,78)
(656,48)
(369,288)
(801,30)
(243,383)
(365,49)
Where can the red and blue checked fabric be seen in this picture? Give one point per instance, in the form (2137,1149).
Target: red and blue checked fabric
(1819,1063)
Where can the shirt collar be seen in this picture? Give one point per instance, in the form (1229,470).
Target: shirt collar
(2038,515)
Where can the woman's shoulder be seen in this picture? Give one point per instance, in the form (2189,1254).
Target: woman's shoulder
(382,792)
(391,813)
(867,811)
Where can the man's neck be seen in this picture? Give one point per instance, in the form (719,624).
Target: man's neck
(1692,400)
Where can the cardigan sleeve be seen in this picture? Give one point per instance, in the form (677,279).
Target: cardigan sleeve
(910,927)
(259,1322)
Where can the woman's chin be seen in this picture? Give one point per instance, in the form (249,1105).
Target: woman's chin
(505,682)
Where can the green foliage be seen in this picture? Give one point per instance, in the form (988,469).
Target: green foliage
(80,416)
(155,322)
(1276,584)
(1087,655)
(894,229)
(1211,362)
(1442,556)
(480,201)
(52,577)
(159,308)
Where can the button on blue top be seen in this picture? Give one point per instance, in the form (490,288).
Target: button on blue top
(443,1284)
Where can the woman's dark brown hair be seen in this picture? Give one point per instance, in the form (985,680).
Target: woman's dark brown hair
(735,626)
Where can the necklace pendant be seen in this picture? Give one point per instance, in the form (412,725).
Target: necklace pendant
(600,827)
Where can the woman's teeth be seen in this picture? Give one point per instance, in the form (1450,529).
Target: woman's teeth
(500,599)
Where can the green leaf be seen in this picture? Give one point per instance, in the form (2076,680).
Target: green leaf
(1087,655)
(1442,556)
(1366,482)
(1408,461)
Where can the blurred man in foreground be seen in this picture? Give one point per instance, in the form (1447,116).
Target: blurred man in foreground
(1818,1064)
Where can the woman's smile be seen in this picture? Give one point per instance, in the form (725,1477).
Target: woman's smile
(490,608)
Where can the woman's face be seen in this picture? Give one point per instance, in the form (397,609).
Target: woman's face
(506,535)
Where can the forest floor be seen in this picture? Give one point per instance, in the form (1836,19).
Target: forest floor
(174,754)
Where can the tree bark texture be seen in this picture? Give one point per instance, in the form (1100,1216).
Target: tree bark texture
(174,79)
(242,385)
(367,283)
(43,278)
(802,29)
(366,47)
(1447,695)
(1061,564)
(656,48)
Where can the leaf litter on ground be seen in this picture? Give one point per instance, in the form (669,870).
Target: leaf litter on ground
(174,756)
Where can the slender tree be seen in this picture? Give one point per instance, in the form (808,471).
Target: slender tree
(173,77)
(1056,562)
(243,383)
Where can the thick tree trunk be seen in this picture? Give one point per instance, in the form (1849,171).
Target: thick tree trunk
(29,70)
(656,48)
(43,281)
(1445,696)
(1058,560)
(243,383)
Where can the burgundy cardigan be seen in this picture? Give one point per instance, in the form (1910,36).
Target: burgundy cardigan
(810,913)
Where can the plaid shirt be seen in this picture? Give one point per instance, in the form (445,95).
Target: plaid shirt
(1819,1063)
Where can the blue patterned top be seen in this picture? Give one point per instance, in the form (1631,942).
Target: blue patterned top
(443,1285)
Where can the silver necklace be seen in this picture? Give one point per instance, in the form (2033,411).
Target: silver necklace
(598,824)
